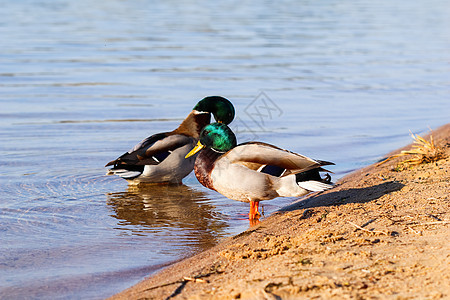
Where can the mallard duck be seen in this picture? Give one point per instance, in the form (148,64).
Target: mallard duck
(160,157)
(254,171)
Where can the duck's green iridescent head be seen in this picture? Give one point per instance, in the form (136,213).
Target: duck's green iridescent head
(216,136)
(221,108)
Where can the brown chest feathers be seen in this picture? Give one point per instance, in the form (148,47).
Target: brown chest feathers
(193,124)
(204,164)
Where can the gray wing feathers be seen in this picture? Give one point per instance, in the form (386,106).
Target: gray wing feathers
(169,143)
(266,154)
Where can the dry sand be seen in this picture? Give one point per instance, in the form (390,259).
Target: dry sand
(381,233)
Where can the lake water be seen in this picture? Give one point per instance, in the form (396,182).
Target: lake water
(83,81)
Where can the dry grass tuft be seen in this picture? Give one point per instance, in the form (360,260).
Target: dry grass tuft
(424,152)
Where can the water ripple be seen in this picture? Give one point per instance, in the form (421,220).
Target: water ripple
(351,80)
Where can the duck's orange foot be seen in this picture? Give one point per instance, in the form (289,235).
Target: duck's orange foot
(254,214)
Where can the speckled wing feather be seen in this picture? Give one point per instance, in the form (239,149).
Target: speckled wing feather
(254,155)
(152,150)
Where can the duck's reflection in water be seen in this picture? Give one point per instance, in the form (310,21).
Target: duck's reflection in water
(159,209)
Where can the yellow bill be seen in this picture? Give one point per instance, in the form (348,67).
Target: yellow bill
(197,148)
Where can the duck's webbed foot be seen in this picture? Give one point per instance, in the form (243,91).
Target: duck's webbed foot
(254,214)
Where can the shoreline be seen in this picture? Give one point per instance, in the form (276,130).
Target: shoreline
(380,232)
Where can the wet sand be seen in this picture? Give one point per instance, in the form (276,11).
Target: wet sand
(381,233)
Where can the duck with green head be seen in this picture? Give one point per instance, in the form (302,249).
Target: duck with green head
(160,157)
(254,171)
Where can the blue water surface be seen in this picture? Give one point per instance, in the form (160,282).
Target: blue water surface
(83,81)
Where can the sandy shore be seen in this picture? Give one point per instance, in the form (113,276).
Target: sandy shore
(381,233)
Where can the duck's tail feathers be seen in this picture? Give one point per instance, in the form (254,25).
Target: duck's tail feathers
(111,163)
(324,162)
(314,186)
(126,174)
(312,181)
(300,184)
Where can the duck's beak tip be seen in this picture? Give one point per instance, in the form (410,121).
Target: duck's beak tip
(196,149)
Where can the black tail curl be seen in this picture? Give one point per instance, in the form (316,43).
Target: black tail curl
(313,174)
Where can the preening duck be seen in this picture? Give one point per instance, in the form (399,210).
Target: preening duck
(160,158)
(254,171)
